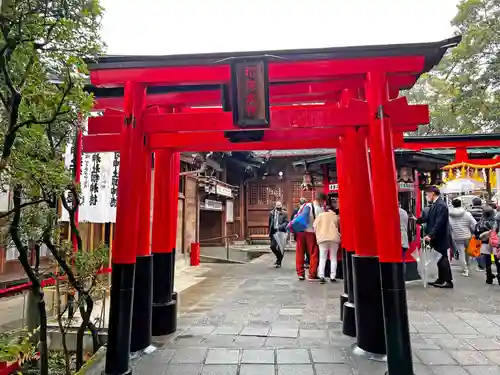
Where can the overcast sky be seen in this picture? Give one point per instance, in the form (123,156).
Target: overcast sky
(163,27)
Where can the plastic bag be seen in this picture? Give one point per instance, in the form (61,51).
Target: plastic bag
(280,238)
(427,259)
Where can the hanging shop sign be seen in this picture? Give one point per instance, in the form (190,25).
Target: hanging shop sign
(224,191)
(211,205)
(333,187)
(250,93)
(406,186)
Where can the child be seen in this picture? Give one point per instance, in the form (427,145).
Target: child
(328,238)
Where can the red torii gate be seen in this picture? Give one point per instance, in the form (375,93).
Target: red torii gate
(263,100)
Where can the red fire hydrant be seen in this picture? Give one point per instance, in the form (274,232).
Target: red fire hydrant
(195,253)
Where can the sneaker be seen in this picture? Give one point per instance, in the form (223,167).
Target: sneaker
(322,280)
(479,269)
(333,280)
(489,281)
(302,278)
(465,273)
(278,265)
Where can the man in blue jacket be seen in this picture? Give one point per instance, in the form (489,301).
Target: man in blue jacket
(437,234)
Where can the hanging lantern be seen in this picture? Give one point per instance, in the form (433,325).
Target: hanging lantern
(493,178)
(476,176)
(462,172)
(451,175)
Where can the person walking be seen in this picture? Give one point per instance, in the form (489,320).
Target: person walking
(328,237)
(477,213)
(462,225)
(438,235)
(278,222)
(306,240)
(302,201)
(483,232)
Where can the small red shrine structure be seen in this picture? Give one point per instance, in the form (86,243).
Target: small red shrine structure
(344,98)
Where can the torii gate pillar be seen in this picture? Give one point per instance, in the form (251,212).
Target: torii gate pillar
(166,171)
(370,335)
(126,239)
(347,229)
(387,225)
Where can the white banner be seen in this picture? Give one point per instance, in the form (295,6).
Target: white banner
(99,186)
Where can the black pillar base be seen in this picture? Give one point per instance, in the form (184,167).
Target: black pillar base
(348,315)
(370,338)
(120,319)
(349,320)
(411,273)
(164,316)
(343,299)
(397,327)
(143,301)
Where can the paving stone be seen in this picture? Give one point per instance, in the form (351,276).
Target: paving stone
(247,369)
(295,370)
(261,331)
(189,355)
(219,341)
(227,330)
(258,356)
(419,369)
(223,357)
(329,355)
(453,344)
(314,334)
(289,356)
(470,358)
(291,312)
(435,357)
(187,340)
(332,369)
(280,342)
(249,342)
(493,356)
(448,370)
(284,332)
(180,370)
(484,343)
(220,370)
(483,370)
(200,330)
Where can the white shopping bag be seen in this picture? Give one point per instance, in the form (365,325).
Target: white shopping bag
(280,238)
(427,259)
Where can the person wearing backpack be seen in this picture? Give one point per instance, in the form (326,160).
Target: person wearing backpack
(486,231)
(306,238)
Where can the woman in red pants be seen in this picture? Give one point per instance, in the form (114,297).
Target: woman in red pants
(306,240)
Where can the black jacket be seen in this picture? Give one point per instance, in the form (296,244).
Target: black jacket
(437,225)
(282,222)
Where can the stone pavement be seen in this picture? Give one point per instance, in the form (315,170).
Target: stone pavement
(253,319)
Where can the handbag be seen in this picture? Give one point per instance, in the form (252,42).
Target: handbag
(474,247)
(493,239)
(300,222)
